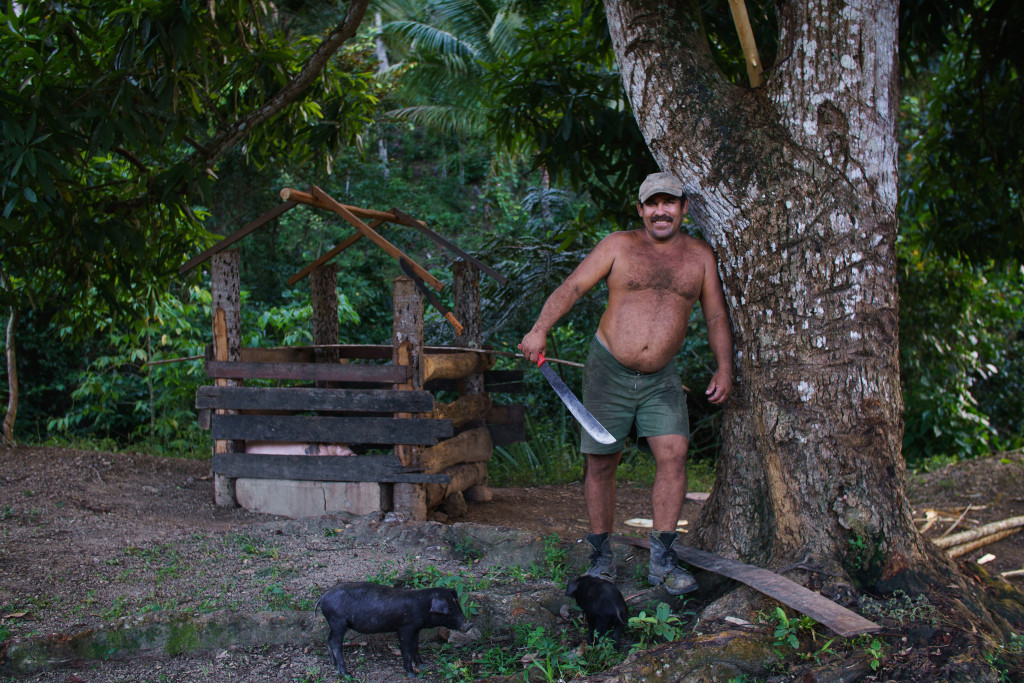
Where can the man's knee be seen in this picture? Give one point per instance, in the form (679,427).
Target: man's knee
(669,448)
(602,466)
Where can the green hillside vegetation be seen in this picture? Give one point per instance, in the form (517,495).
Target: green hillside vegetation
(523,165)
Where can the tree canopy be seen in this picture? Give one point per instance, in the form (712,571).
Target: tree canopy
(114,116)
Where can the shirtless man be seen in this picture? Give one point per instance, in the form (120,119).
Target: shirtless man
(655,275)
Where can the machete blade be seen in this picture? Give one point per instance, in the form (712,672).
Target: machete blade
(582,415)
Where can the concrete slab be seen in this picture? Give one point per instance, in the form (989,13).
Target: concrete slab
(295,499)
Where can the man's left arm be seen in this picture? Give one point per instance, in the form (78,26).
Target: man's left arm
(716,315)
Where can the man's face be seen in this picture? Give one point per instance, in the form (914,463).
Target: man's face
(662,215)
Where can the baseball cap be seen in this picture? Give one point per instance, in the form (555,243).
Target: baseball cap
(660,182)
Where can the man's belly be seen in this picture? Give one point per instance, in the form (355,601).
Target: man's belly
(644,345)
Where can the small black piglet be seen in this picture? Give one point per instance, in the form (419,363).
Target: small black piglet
(603,605)
(373,608)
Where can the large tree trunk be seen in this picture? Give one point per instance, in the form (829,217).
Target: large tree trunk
(794,185)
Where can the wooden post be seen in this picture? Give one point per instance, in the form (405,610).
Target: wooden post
(225,291)
(467,310)
(746,34)
(407,349)
(323,285)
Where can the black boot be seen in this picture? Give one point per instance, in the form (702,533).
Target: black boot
(664,567)
(602,565)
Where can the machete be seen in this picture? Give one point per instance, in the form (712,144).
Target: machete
(582,415)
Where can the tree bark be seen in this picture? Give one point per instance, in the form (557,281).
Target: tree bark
(12,378)
(794,186)
(226,307)
(323,287)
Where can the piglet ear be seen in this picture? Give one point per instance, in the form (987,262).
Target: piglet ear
(439,606)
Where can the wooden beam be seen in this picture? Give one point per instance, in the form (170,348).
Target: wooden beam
(359,430)
(311,372)
(842,621)
(310,200)
(406,219)
(340,247)
(375,237)
(454,365)
(495,382)
(380,468)
(462,477)
(470,446)
(464,410)
(746,34)
(303,398)
(235,236)
(295,354)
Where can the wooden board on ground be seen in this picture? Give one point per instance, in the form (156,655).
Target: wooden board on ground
(842,621)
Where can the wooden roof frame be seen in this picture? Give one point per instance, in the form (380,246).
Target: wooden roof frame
(352,215)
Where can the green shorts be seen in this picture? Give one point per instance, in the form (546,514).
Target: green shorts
(618,397)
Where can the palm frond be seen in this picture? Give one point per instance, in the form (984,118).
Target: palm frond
(430,40)
(444,119)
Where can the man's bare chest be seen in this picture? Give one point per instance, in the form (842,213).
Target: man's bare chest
(676,273)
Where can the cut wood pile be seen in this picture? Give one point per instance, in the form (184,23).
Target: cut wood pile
(963,542)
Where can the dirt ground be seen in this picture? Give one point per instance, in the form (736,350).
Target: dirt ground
(95,544)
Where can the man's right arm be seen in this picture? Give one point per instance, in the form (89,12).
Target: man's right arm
(594,268)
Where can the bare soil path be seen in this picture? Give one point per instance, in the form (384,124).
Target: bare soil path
(96,545)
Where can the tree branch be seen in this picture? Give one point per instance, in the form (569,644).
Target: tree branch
(230,136)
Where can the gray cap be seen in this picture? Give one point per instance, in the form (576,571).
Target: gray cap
(660,182)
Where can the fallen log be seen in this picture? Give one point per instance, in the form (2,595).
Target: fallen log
(984,530)
(963,549)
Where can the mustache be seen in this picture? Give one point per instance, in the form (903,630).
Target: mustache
(661,217)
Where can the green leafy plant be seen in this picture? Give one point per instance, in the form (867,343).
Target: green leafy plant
(785,631)
(466,550)
(547,654)
(661,624)
(450,666)
(1007,659)
(876,650)
(788,631)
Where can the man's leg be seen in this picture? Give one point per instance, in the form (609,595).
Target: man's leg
(667,496)
(669,490)
(599,490)
(599,495)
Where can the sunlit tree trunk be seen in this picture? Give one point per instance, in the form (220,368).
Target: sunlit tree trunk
(382,58)
(795,186)
(12,377)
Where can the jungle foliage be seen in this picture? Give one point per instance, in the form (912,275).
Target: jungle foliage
(516,161)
